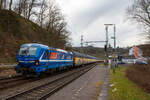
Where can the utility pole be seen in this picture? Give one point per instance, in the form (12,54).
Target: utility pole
(114,50)
(115,45)
(81,43)
(114,38)
(106,41)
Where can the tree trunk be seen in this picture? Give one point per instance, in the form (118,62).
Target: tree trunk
(10,4)
(1,4)
(20,7)
(25,8)
(4,4)
(30,9)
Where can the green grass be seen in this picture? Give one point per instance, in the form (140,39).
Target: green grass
(123,88)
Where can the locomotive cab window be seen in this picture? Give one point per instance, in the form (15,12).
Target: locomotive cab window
(28,51)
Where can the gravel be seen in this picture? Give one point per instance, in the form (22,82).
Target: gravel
(7,72)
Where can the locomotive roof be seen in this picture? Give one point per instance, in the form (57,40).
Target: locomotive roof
(45,46)
(35,45)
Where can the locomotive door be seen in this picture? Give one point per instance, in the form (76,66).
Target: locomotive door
(47,57)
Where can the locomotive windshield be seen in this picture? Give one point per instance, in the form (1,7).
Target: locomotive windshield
(28,51)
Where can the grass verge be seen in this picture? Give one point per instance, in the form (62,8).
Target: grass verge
(123,89)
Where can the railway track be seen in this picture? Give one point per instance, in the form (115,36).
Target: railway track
(43,91)
(9,81)
(7,78)
(12,82)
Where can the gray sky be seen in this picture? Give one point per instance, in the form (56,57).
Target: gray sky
(87,18)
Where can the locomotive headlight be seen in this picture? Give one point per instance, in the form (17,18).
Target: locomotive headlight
(36,63)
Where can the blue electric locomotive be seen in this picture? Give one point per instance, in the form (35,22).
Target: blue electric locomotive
(36,58)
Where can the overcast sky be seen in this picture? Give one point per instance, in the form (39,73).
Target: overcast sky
(87,18)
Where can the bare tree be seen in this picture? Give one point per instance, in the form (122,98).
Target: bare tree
(54,16)
(42,14)
(56,25)
(19,8)
(31,5)
(25,8)
(139,11)
(22,7)
(47,15)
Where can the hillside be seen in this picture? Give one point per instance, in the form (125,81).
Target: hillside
(99,52)
(16,30)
